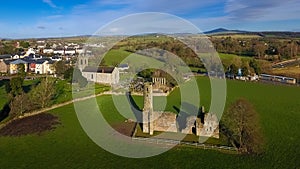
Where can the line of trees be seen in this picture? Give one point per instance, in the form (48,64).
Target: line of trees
(262,48)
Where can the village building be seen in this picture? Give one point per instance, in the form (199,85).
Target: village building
(123,67)
(4,66)
(44,67)
(104,75)
(5,57)
(48,50)
(13,68)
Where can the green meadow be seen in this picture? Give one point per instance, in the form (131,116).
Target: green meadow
(68,146)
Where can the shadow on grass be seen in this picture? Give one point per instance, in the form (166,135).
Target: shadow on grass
(138,113)
(4,112)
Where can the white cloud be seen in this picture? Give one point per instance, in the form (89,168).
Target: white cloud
(266,10)
(50,3)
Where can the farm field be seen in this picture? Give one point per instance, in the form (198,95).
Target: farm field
(68,146)
(288,71)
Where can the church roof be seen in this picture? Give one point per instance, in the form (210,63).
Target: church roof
(101,69)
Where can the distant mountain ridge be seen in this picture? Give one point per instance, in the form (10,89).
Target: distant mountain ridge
(224,31)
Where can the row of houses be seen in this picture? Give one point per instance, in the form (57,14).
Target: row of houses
(63,51)
(37,65)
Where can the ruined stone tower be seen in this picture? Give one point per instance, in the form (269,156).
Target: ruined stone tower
(148,125)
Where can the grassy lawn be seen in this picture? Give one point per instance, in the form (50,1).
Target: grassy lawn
(69,147)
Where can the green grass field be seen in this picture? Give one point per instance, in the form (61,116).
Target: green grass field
(69,147)
(116,56)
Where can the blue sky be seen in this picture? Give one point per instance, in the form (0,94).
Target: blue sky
(52,18)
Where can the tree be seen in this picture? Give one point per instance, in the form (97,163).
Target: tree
(233,69)
(245,71)
(24,44)
(242,121)
(19,105)
(60,68)
(68,74)
(253,63)
(21,71)
(43,93)
(16,86)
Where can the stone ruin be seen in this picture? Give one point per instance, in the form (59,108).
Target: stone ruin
(205,124)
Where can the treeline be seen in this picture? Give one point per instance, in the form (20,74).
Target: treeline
(163,43)
(11,47)
(271,49)
(43,92)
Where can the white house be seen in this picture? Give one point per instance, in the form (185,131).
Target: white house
(105,75)
(70,51)
(44,67)
(48,50)
(60,51)
(30,51)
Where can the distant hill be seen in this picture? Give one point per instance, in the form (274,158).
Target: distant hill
(271,34)
(224,31)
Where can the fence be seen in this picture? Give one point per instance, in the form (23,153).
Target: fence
(177,142)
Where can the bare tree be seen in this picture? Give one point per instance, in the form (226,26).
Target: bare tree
(242,123)
(44,92)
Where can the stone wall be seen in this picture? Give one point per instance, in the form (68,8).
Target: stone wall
(206,124)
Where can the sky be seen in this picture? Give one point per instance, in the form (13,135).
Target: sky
(56,18)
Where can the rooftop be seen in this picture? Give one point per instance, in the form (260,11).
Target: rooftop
(101,69)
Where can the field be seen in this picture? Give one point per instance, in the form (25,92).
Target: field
(69,147)
(240,36)
(132,59)
(288,71)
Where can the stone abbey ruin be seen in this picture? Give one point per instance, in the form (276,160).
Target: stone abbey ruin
(204,124)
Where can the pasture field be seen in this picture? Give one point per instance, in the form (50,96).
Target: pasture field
(69,147)
(116,56)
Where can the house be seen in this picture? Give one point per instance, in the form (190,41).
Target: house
(44,66)
(50,69)
(123,67)
(32,66)
(40,66)
(16,57)
(5,57)
(105,75)
(56,58)
(13,68)
(30,51)
(60,51)
(4,66)
(48,50)
(79,50)
(70,51)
